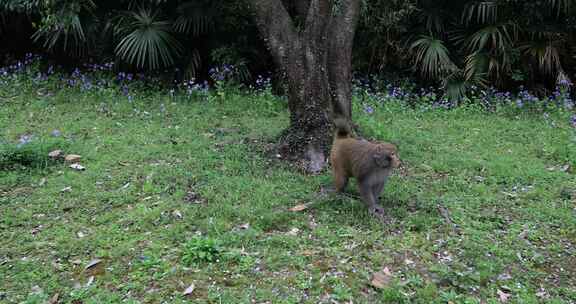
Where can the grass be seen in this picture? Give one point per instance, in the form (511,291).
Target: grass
(177,193)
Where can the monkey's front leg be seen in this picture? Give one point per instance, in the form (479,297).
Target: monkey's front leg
(368,197)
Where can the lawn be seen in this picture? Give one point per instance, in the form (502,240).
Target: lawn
(179,202)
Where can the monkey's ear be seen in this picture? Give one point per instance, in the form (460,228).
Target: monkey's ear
(382,160)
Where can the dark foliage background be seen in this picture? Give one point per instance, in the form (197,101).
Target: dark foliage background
(456,45)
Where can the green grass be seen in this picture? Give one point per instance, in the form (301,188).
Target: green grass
(178,193)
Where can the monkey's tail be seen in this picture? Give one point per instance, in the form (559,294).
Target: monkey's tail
(342,128)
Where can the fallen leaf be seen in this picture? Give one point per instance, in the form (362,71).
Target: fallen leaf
(55,154)
(503,296)
(42,182)
(293,231)
(177,214)
(37,289)
(66,189)
(80,234)
(37,229)
(381,279)
(565,168)
(92,263)
(78,167)
(542,294)
(72,158)
(90,281)
(308,252)
(189,290)
(244,226)
(55,299)
(299,208)
(504,276)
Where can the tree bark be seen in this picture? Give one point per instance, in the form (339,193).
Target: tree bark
(316,62)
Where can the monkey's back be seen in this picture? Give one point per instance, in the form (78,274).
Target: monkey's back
(355,157)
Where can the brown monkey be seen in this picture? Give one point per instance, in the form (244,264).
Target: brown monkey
(369,162)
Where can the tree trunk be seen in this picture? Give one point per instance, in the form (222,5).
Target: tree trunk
(316,62)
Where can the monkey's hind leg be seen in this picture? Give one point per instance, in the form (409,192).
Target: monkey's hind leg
(340,180)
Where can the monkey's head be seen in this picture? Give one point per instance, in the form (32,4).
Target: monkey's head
(387,156)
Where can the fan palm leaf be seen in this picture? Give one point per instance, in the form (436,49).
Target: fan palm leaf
(546,53)
(194,19)
(149,42)
(65,28)
(432,57)
(495,37)
(480,12)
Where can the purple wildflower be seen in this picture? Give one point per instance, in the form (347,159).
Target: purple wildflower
(55,133)
(24,139)
(368,109)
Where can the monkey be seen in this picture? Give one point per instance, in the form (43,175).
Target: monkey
(370,163)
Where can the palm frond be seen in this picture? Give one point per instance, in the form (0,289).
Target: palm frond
(65,28)
(193,65)
(149,42)
(546,53)
(562,6)
(455,86)
(434,19)
(432,57)
(194,19)
(495,37)
(476,67)
(480,12)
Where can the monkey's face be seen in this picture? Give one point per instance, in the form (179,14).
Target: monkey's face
(394,159)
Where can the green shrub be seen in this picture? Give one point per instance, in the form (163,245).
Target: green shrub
(201,250)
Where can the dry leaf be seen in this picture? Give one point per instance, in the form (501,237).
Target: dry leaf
(293,231)
(78,167)
(66,189)
(92,263)
(55,154)
(503,296)
(244,226)
(55,299)
(80,234)
(189,290)
(90,281)
(381,279)
(308,253)
(299,208)
(72,158)
(42,182)
(177,214)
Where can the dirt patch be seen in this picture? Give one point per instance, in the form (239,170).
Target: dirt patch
(193,197)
